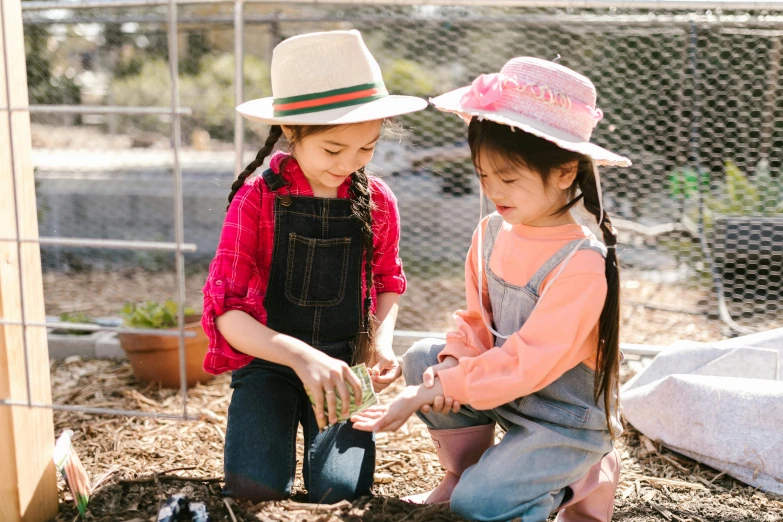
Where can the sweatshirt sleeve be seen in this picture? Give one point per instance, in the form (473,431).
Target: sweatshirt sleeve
(552,341)
(471,336)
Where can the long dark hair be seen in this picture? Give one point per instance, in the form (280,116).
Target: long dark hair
(542,156)
(361,204)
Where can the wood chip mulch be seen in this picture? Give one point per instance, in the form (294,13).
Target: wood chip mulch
(137,462)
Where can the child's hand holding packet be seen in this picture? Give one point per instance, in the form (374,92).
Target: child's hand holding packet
(367,399)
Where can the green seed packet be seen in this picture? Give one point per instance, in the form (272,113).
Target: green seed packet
(368,394)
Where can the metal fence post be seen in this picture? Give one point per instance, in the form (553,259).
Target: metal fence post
(239,82)
(179,225)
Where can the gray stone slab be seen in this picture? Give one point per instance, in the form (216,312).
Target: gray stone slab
(108,347)
(62,346)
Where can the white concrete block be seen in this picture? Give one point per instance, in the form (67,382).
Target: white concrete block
(108,347)
(62,346)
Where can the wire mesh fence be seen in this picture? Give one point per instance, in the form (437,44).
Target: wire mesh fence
(690,96)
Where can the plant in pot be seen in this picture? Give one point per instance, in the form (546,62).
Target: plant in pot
(155,358)
(743,224)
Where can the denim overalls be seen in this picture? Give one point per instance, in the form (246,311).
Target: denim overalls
(314,294)
(553,436)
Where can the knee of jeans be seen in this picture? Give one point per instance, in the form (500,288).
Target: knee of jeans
(418,358)
(468,501)
(332,492)
(243,487)
(471,501)
(476,500)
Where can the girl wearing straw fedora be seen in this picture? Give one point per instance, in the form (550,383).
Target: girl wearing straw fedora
(306,278)
(537,350)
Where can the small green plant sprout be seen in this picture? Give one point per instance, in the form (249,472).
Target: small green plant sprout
(76,317)
(684,182)
(152,315)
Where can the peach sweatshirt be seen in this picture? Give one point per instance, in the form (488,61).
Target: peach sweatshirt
(561,332)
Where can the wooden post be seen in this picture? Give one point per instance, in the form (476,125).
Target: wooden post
(28,480)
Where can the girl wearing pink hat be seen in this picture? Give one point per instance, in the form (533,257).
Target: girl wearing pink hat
(537,350)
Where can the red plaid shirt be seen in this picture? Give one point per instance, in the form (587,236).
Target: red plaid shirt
(239,273)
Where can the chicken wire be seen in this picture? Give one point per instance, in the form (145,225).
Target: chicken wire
(690,96)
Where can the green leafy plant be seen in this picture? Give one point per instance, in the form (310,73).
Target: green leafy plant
(736,195)
(152,315)
(741,196)
(78,317)
(684,182)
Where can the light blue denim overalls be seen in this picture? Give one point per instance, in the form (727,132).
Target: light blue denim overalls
(553,436)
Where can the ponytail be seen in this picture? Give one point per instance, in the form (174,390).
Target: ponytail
(607,375)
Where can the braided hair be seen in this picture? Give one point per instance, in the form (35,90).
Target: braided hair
(361,205)
(274,135)
(542,156)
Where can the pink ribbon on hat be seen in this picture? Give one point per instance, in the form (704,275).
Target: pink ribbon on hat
(487,90)
(597,113)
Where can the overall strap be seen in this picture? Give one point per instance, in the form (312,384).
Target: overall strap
(276,182)
(535,283)
(493,227)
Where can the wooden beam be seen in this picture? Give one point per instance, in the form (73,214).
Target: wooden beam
(28,480)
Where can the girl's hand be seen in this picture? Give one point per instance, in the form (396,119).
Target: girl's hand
(388,417)
(393,416)
(430,373)
(324,377)
(385,369)
(442,405)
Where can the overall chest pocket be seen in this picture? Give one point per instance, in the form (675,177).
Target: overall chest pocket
(317,270)
(511,305)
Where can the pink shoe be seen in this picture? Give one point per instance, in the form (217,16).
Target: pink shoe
(593,494)
(458,449)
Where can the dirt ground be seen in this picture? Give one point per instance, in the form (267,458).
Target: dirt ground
(137,462)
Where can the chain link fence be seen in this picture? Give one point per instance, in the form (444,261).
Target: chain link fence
(692,97)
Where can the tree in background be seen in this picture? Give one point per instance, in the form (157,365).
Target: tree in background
(210,93)
(198,47)
(44,87)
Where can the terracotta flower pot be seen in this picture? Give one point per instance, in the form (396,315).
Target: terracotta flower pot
(155,358)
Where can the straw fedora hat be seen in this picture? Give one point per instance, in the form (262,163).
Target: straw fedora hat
(327,78)
(540,97)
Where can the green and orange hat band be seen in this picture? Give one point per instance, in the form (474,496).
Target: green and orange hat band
(324,101)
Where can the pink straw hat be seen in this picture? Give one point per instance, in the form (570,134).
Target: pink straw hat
(540,97)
